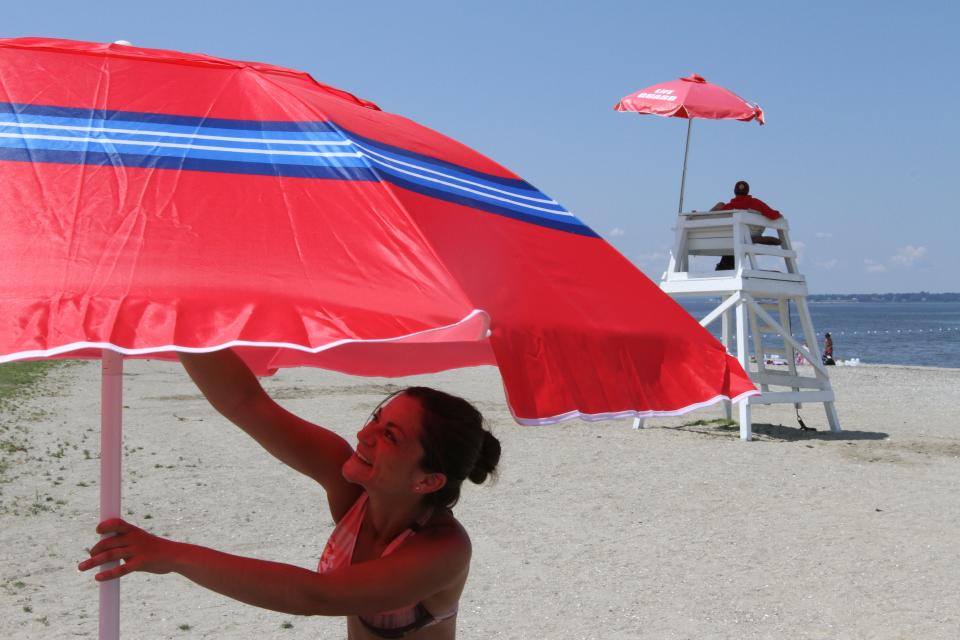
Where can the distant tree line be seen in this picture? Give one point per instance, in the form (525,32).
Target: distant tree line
(922,296)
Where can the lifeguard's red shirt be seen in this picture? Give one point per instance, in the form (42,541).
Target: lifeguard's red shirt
(754,204)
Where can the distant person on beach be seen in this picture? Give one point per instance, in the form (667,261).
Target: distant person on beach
(397,561)
(828,349)
(743,200)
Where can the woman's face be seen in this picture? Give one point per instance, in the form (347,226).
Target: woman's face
(388,454)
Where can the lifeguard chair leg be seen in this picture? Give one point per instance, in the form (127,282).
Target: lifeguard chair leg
(725,338)
(832,418)
(746,430)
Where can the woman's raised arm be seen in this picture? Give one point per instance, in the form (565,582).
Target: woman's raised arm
(233,390)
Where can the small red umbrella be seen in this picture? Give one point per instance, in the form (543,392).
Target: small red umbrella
(690,97)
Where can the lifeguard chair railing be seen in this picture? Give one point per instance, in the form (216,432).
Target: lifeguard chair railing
(755,297)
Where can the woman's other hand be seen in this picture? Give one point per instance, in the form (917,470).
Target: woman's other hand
(139,551)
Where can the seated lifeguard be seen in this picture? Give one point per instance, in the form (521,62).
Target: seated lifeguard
(743,200)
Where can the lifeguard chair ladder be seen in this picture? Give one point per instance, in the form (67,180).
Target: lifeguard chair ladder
(754,295)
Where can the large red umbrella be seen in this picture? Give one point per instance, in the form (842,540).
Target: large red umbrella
(155,201)
(690,97)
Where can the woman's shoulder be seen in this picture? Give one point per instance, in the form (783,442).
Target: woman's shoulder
(445,529)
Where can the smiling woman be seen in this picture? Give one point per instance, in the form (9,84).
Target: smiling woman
(397,560)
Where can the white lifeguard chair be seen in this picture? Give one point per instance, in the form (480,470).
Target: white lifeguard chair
(756,293)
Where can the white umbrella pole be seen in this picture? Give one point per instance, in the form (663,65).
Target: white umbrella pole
(683,177)
(111,429)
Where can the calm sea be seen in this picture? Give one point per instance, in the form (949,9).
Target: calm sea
(907,333)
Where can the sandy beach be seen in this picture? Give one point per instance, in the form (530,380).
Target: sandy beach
(594,530)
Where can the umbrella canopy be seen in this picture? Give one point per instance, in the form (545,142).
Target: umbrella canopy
(690,97)
(154,201)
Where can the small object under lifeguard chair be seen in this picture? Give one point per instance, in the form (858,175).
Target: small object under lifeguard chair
(755,299)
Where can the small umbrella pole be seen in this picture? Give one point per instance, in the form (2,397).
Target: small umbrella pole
(111,428)
(683,177)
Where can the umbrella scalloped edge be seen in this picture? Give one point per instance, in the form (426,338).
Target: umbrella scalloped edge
(620,415)
(476,316)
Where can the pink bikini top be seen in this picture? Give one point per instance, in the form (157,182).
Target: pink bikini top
(339,553)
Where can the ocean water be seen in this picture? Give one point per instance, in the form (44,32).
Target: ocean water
(904,333)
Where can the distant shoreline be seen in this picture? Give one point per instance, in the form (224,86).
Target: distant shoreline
(922,296)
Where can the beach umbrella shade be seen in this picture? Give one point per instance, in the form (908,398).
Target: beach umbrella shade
(154,201)
(690,97)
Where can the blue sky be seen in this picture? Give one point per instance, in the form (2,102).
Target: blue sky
(859,151)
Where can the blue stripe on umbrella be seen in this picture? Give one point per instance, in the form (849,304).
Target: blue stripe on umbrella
(440,165)
(163,118)
(35,133)
(570,224)
(315,154)
(99,158)
(46,123)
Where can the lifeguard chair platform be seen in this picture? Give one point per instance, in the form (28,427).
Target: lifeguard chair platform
(757,292)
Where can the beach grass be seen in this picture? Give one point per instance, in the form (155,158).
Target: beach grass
(18,378)
(18,381)
(719,422)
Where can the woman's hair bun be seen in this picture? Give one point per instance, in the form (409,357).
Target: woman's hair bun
(488,459)
(455,443)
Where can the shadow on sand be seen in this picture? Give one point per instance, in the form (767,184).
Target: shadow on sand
(778,432)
